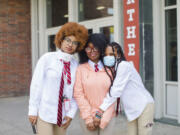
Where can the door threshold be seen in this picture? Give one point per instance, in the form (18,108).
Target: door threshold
(169,121)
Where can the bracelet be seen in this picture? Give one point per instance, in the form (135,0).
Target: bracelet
(98,114)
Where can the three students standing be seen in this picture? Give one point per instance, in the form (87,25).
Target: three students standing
(102,76)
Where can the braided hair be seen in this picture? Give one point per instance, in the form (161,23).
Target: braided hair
(119,58)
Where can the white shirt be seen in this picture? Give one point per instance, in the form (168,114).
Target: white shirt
(92,64)
(129,86)
(45,85)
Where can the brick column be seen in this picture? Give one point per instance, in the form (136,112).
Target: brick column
(15,47)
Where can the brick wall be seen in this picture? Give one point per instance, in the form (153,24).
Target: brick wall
(15,47)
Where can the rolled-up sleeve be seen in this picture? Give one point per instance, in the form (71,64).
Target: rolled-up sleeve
(83,104)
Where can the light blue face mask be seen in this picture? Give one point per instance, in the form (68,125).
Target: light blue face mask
(109,61)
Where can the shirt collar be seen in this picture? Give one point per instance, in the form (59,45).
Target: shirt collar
(64,56)
(100,65)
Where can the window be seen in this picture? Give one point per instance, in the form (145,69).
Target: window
(93,9)
(57,12)
(51,45)
(171,44)
(170,2)
(108,32)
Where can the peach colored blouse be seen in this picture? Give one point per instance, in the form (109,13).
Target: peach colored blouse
(90,89)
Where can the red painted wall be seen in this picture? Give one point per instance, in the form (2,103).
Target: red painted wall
(131,31)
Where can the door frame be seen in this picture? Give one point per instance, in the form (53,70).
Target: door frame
(39,32)
(96,24)
(160,59)
(165,82)
(178,44)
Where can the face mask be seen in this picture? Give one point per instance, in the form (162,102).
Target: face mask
(109,61)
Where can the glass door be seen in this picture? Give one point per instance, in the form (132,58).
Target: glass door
(170,62)
(51,45)
(97,16)
(108,32)
(56,15)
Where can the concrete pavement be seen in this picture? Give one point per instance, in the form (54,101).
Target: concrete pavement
(14,120)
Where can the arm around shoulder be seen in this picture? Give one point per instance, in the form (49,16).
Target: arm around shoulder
(122,77)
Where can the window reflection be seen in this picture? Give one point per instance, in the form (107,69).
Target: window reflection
(90,31)
(170,2)
(108,32)
(171,45)
(51,45)
(92,9)
(57,12)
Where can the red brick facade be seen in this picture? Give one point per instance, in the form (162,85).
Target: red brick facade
(15,47)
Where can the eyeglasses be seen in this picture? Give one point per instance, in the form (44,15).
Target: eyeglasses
(68,40)
(88,49)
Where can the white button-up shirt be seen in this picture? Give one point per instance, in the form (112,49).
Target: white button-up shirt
(129,86)
(92,64)
(45,86)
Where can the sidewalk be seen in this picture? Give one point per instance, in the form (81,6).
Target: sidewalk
(14,121)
